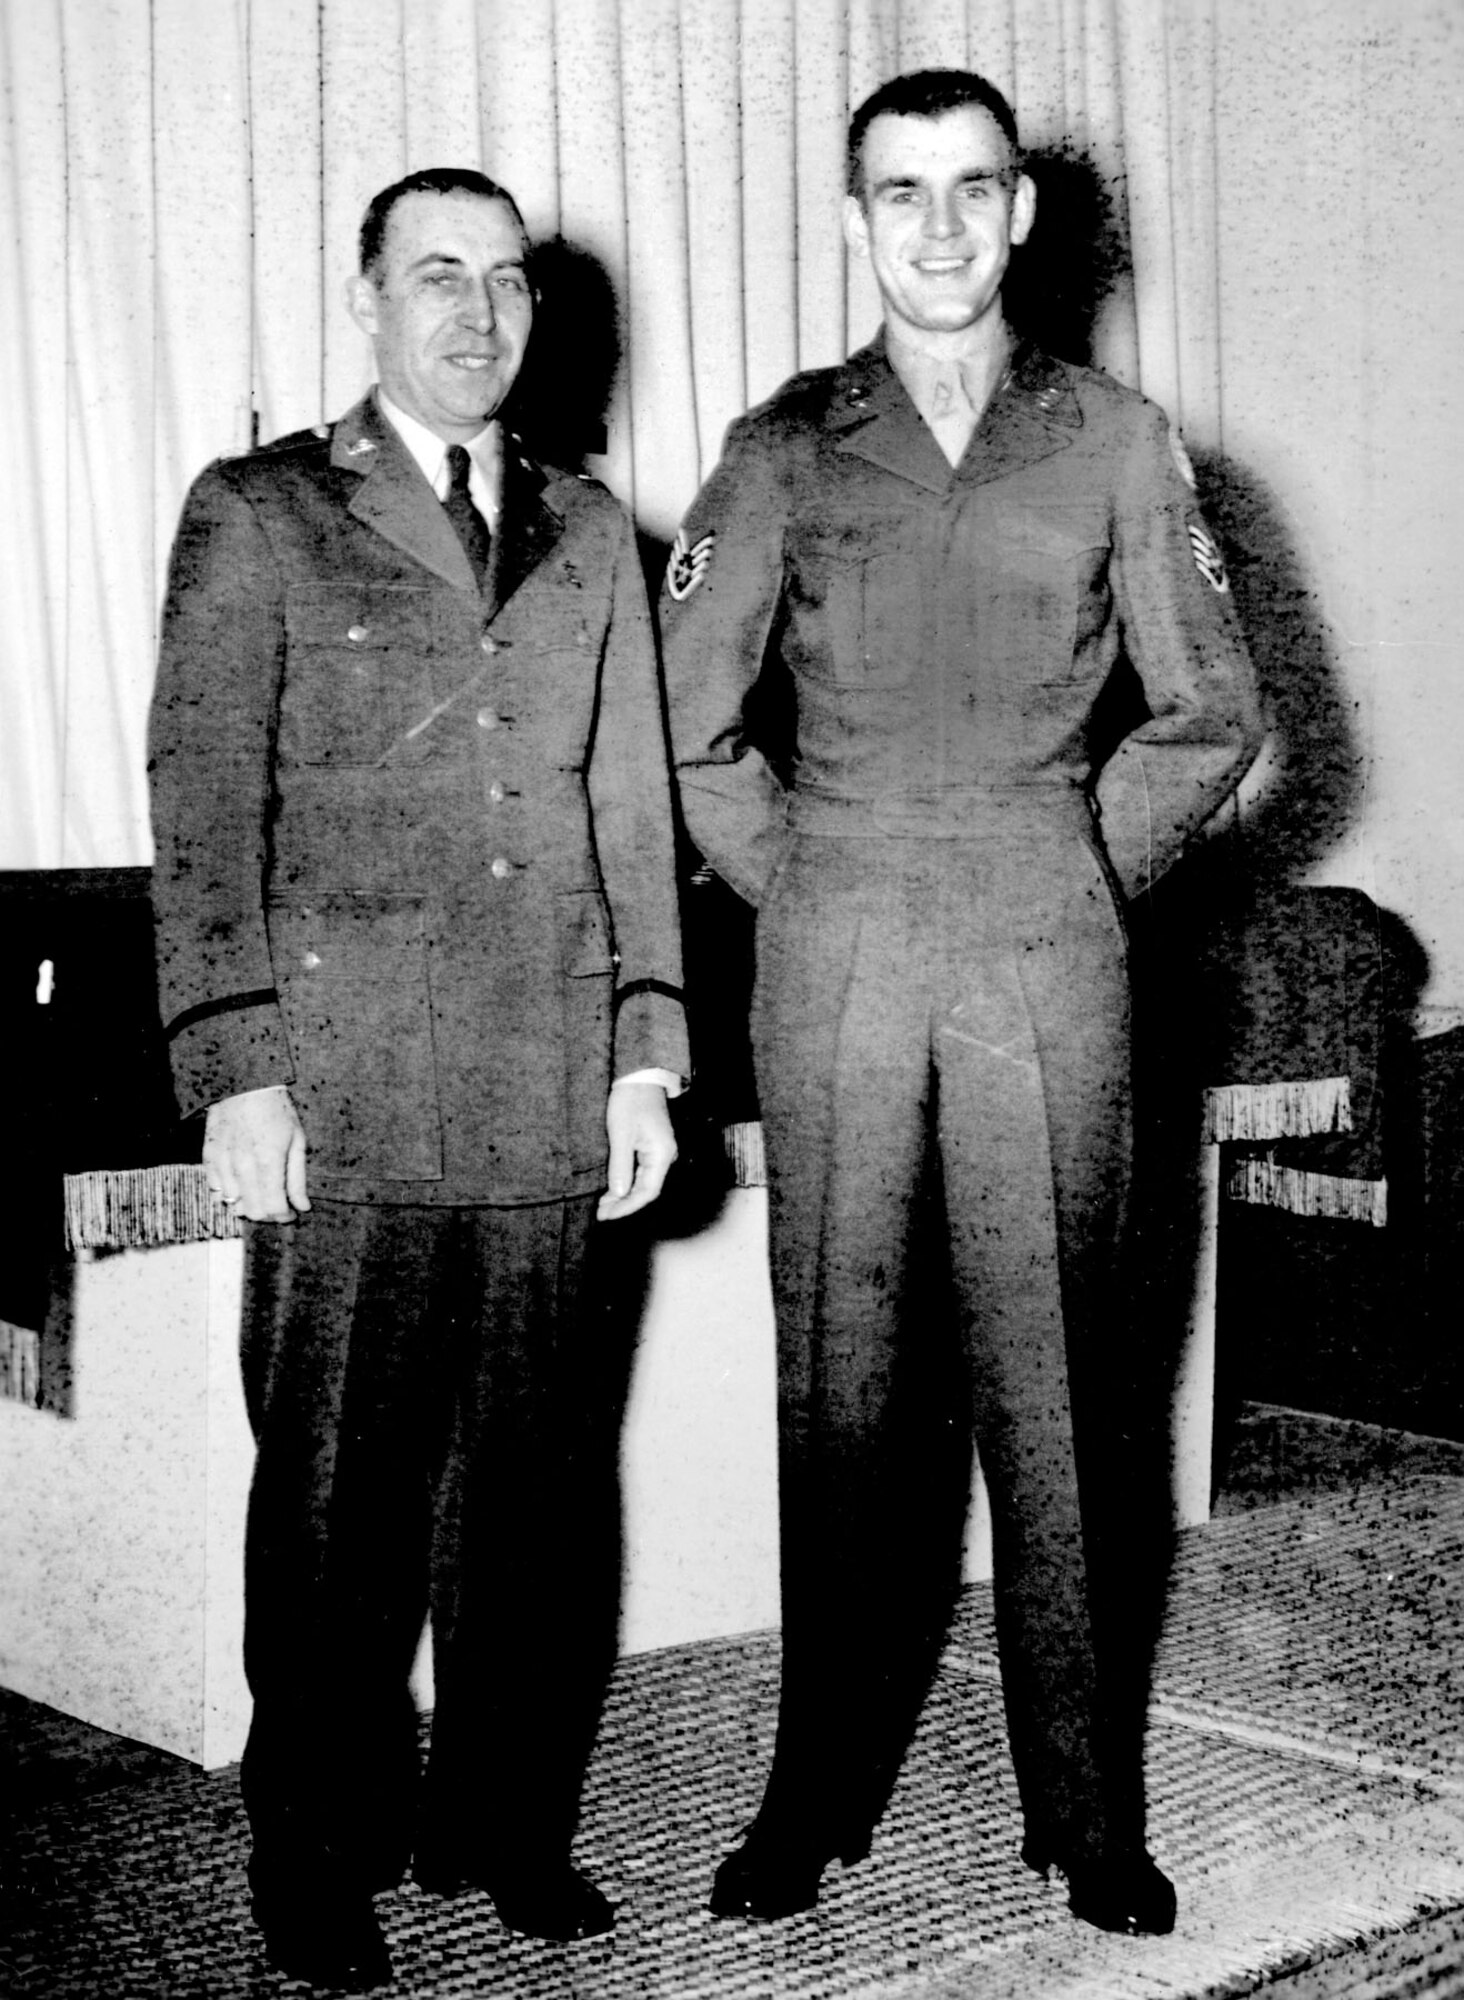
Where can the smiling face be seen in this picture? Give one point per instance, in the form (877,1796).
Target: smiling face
(448,309)
(941,208)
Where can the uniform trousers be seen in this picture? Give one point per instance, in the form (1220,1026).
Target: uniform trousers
(946,1014)
(437,1411)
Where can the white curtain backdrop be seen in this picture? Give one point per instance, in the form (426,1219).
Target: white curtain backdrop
(182,180)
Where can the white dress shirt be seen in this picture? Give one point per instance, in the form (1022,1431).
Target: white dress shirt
(485,479)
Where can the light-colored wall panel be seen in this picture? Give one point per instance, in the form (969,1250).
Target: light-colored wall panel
(1341,299)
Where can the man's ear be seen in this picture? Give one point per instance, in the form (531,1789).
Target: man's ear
(361,303)
(1024,208)
(856,225)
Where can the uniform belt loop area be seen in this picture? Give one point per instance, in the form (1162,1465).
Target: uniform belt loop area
(940,812)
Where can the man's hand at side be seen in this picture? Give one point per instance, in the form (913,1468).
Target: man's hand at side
(642,1147)
(254,1154)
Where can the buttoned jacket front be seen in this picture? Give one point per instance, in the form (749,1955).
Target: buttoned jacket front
(413,839)
(941,638)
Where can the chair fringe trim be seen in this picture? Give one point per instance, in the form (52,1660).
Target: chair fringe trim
(20,1364)
(1266,1184)
(1277,1110)
(137,1208)
(744,1145)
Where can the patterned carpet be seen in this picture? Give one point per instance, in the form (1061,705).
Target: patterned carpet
(1307,1794)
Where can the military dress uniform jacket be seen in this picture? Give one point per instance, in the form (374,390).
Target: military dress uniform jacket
(414,848)
(945,638)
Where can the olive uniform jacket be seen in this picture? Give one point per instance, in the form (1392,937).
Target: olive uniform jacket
(941,638)
(414,840)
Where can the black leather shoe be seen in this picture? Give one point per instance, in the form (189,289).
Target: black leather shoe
(1127,1893)
(559,1904)
(768,1877)
(328,1940)
(552,1901)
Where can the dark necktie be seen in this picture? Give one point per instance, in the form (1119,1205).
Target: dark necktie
(472,529)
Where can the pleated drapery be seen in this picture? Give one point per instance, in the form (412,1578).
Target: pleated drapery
(182,185)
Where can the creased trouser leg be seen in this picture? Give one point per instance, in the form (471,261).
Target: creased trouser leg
(423,1432)
(1034,1139)
(903,1035)
(526,1561)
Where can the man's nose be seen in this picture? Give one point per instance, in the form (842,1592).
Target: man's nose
(942,218)
(475,307)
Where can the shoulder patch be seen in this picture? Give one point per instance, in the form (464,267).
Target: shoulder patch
(688,565)
(1182,460)
(1208,559)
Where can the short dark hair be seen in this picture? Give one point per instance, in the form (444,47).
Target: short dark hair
(428,180)
(926,93)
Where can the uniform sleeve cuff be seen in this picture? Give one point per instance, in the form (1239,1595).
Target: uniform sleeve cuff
(670,1082)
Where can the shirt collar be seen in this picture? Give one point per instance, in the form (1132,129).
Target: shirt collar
(867,386)
(485,481)
(945,390)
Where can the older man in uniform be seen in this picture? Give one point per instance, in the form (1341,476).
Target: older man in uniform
(938,558)
(416,910)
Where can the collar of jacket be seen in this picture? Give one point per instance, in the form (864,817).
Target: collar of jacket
(1033,414)
(395,500)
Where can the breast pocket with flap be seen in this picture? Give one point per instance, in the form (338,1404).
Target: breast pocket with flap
(854,610)
(358,671)
(1049,593)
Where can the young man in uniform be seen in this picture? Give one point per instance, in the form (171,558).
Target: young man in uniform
(937,557)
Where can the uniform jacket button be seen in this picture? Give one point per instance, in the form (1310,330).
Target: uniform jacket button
(488,643)
(357,633)
(500,868)
(497,793)
(488,718)
(310,960)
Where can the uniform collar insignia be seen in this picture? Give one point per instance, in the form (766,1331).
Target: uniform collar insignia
(1035,415)
(1043,383)
(522,473)
(873,418)
(388,494)
(866,387)
(356,440)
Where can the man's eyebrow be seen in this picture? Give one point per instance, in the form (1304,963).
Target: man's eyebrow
(893,181)
(429,257)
